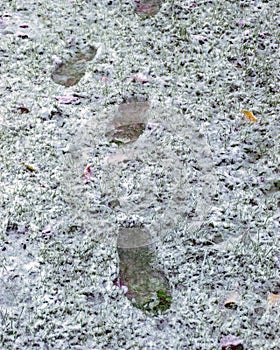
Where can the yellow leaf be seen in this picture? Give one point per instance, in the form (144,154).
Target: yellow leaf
(273,299)
(29,167)
(250,116)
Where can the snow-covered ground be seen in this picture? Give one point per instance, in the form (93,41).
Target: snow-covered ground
(199,182)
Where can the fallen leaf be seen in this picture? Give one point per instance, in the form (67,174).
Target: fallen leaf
(66,100)
(105,80)
(272,301)
(24,25)
(231,342)
(88,174)
(140,78)
(250,116)
(23,110)
(22,35)
(29,167)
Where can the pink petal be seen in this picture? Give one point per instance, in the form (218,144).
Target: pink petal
(139,77)
(66,100)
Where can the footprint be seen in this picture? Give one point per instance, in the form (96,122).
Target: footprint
(71,72)
(147,8)
(146,287)
(156,180)
(129,123)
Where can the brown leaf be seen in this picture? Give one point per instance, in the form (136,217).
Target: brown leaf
(22,35)
(24,25)
(23,110)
